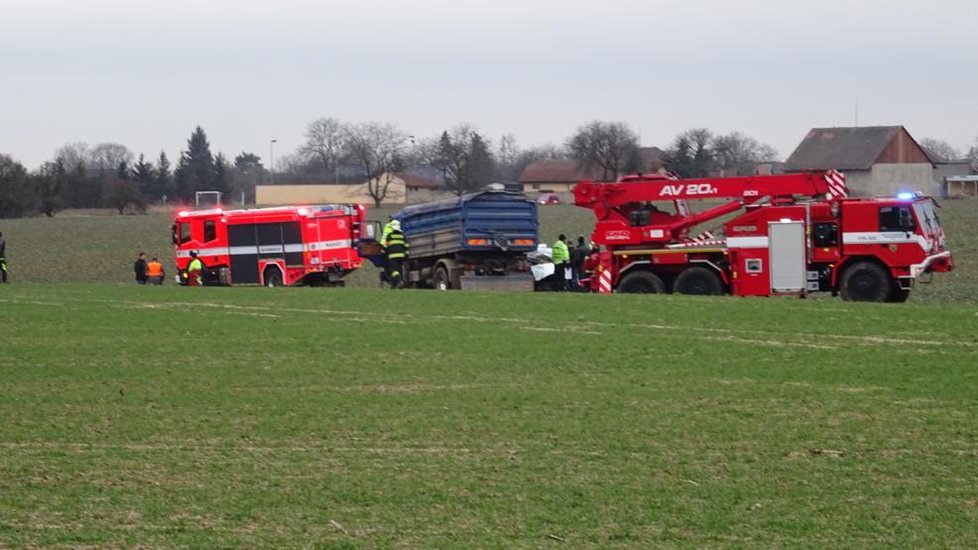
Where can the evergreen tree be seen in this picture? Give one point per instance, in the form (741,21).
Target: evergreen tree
(196,170)
(164,180)
(465,160)
(17,196)
(144,175)
(248,172)
(223,176)
(481,165)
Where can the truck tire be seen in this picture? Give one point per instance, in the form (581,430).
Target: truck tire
(441,280)
(898,295)
(272,277)
(641,282)
(865,282)
(698,280)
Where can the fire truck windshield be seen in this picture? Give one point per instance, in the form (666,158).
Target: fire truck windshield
(927,217)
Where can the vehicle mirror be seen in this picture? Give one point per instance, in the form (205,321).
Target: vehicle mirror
(370,231)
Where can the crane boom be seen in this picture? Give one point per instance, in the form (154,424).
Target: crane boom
(626,213)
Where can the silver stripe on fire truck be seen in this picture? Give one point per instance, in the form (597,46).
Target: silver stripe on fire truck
(747,242)
(329,245)
(266,249)
(885,237)
(204,252)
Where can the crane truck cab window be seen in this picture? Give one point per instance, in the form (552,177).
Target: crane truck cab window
(210,230)
(184,232)
(896,218)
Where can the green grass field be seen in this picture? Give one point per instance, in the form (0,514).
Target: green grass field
(359,417)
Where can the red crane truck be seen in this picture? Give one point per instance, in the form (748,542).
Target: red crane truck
(781,234)
(288,245)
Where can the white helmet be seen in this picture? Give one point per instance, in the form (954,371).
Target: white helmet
(395,225)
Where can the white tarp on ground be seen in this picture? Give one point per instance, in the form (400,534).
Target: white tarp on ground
(542,271)
(540,262)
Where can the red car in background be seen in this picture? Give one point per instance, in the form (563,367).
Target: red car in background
(548,198)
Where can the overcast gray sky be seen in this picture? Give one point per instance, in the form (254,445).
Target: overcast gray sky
(145,73)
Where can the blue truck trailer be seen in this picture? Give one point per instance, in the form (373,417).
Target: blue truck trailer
(476,241)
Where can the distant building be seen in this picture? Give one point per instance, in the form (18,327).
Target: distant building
(276,195)
(877,160)
(651,160)
(561,175)
(424,184)
(556,176)
(956,178)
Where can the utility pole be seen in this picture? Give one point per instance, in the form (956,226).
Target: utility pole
(271,160)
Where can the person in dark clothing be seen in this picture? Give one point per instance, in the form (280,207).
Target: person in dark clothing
(3,259)
(140,269)
(396,251)
(579,255)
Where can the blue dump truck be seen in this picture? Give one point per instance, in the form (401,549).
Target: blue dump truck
(477,241)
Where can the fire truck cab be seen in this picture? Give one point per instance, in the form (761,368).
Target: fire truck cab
(281,246)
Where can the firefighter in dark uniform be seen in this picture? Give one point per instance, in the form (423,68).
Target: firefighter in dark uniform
(3,259)
(395,251)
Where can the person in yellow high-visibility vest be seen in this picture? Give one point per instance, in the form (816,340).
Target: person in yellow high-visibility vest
(396,251)
(561,259)
(195,271)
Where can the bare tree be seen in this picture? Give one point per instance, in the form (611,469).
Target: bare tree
(324,142)
(106,157)
(378,150)
(611,146)
(941,148)
(74,154)
(691,154)
(737,154)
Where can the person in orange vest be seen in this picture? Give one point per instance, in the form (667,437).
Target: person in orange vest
(154,272)
(194,269)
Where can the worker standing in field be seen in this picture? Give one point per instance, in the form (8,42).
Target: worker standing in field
(140,268)
(561,259)
(395,251)
(154,272)
(194,270)
(578,257)
(388,227)
(3,259)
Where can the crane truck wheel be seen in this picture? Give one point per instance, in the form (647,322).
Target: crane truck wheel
(273,277)
(441,280)
(698,280)
(866,282)
(641,282)
(898,295)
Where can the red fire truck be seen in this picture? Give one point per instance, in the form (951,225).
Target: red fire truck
(289,245)
(781,234)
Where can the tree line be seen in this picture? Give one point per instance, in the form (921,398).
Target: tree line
(460,158)
(463,159)
(109,175)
